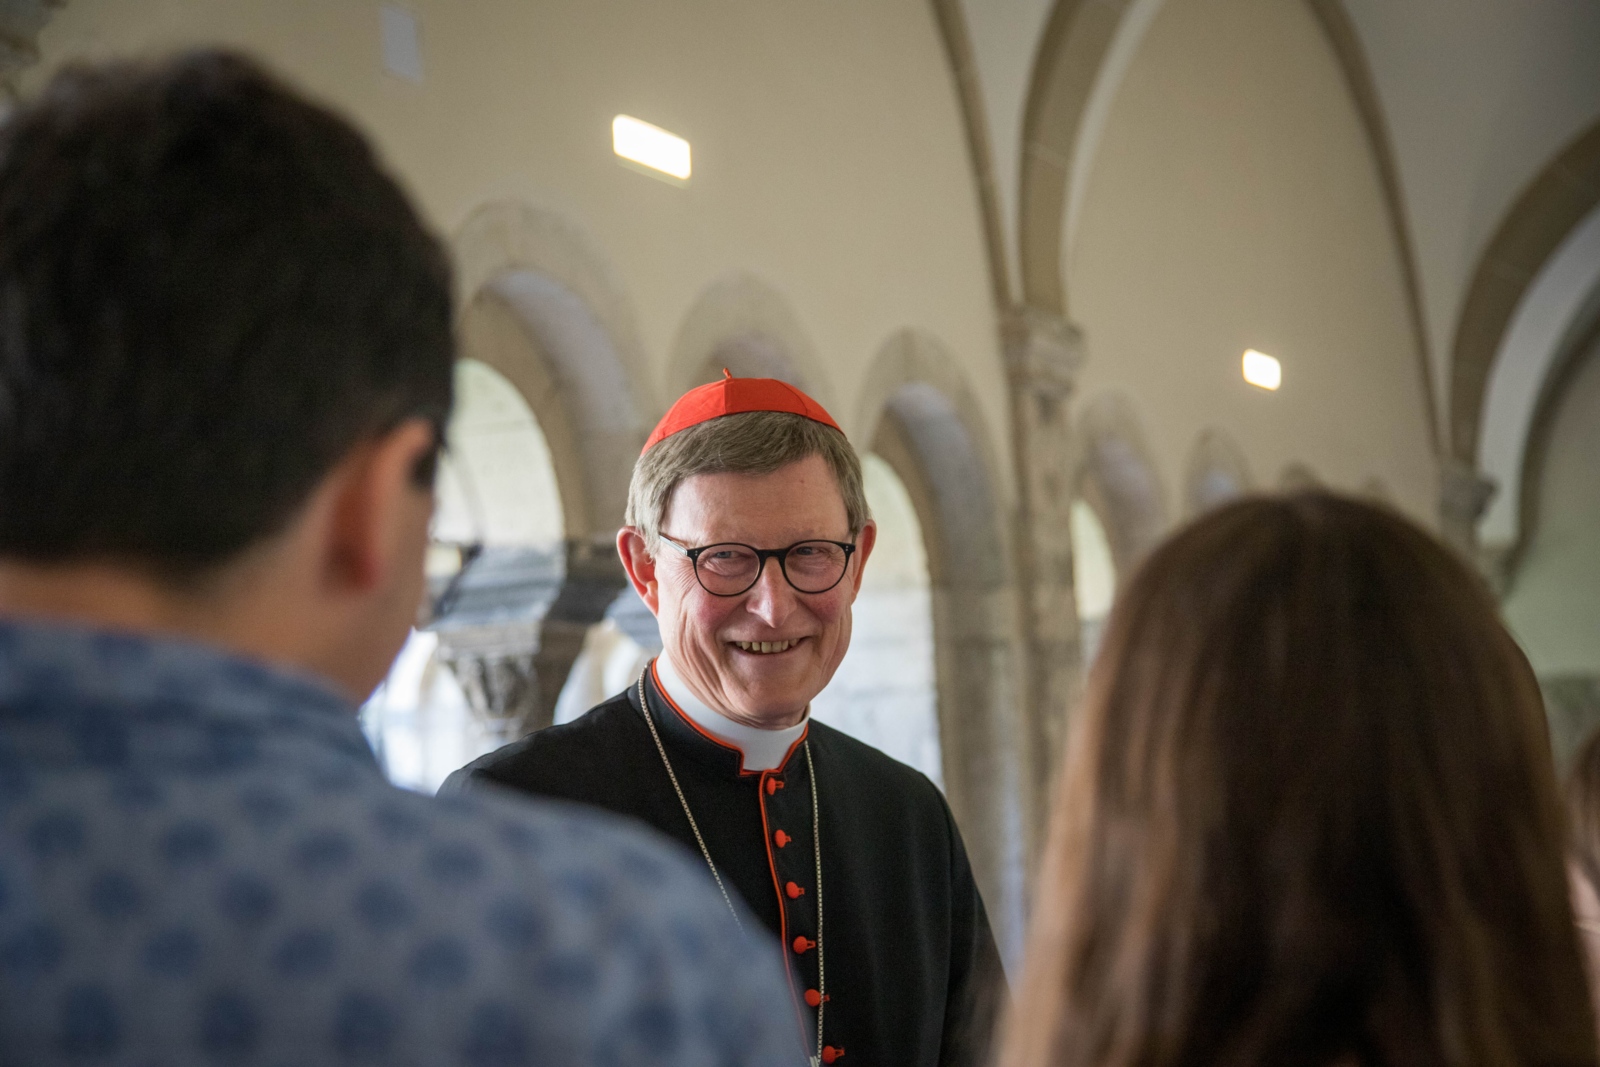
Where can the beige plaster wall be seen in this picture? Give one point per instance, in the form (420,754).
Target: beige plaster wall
(1234,204)
(1554,604)
(1479,95)
(828,151)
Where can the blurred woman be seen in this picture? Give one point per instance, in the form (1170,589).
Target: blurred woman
(1583,854)
(1308,817)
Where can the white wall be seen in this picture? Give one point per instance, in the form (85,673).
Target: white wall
(1479,95)
(829,155)
(1234,204)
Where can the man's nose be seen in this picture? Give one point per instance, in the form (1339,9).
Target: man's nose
(772,598)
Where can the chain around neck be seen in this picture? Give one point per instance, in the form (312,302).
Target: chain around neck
(816,847)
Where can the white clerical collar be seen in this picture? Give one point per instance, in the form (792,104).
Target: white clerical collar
(762,750)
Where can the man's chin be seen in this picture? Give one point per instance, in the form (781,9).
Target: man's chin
(772,699)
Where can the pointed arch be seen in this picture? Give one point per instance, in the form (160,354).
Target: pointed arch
(1534,295)
(540,304)
(1217,472)
(1116,474)
(744,323)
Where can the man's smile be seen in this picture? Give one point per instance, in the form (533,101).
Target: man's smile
(766,648)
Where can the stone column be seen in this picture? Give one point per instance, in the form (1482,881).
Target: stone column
(1464,495)
(495,668)
(514,633)
(1043,353)
(593,579)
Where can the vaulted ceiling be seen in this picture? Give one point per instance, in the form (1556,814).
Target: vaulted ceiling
(1476,111)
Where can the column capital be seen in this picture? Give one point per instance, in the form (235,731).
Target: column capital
(1464,496)
(1043,351)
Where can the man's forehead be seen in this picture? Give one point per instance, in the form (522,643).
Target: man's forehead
(793,503)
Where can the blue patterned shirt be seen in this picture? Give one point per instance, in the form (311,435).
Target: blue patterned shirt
(201,863)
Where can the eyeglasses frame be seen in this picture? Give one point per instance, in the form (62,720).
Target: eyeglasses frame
(762,555)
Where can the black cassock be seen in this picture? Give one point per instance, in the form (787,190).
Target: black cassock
(913,976)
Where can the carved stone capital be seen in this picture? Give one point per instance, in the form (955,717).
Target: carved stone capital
(1464,496)
(1043,351)
(495,666)
(517,622)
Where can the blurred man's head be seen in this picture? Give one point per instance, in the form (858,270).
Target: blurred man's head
(225,366)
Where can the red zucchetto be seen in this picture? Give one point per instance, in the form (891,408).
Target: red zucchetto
(734,396)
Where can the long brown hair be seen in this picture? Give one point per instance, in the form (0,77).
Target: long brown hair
(1308,816)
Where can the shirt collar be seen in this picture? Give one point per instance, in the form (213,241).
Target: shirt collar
(760,750)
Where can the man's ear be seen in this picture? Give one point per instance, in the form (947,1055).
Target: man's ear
(865,540)
(376,505)
(640,565)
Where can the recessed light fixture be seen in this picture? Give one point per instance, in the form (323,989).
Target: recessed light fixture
(650,146)
(1261,370)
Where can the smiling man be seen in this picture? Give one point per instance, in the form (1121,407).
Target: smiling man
(747,533)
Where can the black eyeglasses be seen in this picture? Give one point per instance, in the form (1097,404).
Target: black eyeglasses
(730,568)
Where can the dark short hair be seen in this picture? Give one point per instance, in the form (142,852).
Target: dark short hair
(1309,816)
(210,292)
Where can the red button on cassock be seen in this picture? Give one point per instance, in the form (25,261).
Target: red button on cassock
(773,785)
(793,890)
(813,998)
(803,944)
(829,1053)
(781,838)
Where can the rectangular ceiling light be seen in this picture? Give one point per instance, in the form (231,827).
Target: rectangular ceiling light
(1262,370)
(650,146)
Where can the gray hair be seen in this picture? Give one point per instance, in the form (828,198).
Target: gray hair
(752,442)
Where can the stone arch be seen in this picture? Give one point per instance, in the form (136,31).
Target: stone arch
(1574,355)
(1073,51)
(1217,472)
(1532,295)
(919,415)
(1084,51)
(581,352)
(743,323)
(1115,474)
(540,304)
(1550,208)
(1297,476)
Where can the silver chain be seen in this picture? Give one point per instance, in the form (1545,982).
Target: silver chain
(816,845)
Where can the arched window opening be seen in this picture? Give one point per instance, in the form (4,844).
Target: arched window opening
(883,693)
(496,508)
(1094,575)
